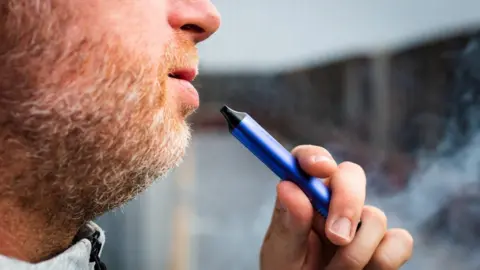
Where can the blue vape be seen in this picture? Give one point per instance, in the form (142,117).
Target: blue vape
(276,157)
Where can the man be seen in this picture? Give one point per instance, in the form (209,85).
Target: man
(94,97)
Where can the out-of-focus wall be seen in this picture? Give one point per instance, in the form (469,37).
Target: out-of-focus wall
(270,36)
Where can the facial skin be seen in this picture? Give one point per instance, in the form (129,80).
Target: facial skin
(90,117)
(89,114)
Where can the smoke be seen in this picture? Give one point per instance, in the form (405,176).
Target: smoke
(434,186)
(441,204)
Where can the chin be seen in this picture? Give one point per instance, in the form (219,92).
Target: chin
(144,168)
(174,146)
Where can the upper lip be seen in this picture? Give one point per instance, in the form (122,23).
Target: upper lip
(187,74)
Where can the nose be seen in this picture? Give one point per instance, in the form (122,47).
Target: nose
(199,19)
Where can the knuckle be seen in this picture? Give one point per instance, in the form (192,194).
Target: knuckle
(384,262)
(352,167)
(277,234)
(354,171)
(347,196)
(352,260)
(374,214)
(350,207)
(349,211)
(405,237)
(393,258)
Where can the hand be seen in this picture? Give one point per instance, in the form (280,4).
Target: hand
(299,239)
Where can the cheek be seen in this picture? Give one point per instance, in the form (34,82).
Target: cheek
(143,25)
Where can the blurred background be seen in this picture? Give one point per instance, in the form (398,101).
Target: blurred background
(391,85)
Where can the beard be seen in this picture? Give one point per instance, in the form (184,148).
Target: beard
(86,122)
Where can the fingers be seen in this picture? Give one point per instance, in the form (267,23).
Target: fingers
(297,210)
(315,160)
(393,252)
(359,252)
(286,242)
(374,248)
(348,186)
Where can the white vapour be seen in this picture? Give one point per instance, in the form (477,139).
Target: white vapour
(433,185)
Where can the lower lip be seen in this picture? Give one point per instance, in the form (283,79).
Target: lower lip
(187,92)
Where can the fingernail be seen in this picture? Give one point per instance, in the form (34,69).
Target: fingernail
(342,228)
(320,159)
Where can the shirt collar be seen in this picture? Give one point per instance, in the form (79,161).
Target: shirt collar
(82,255)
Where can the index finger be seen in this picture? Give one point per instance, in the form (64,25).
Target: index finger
(315,160)
(347,183)
(348,186)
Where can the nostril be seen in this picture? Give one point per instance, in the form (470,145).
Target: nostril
(193,28)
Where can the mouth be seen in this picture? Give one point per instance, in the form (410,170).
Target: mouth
(186,74)
(185,93)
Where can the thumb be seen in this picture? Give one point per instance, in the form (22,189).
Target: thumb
(286,241)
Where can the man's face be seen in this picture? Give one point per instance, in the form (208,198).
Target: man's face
(94,96)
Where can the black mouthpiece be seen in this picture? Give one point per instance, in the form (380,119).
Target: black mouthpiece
(233,117)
